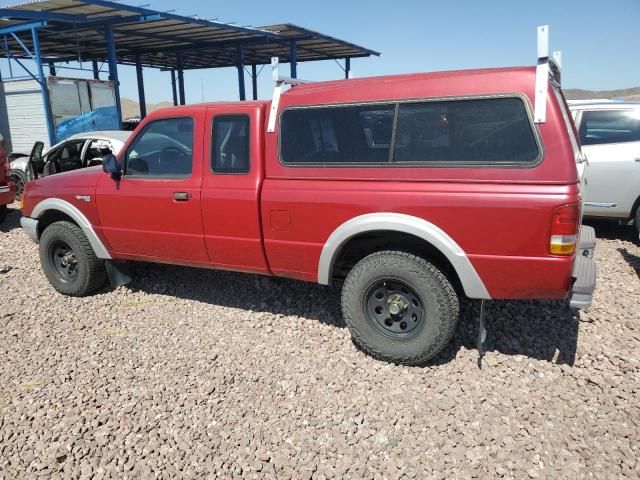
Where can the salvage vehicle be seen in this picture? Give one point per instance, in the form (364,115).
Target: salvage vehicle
(79,151)
(410,191)
(610,137)
(7,188)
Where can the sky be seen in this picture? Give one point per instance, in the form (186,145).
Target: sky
(599,40)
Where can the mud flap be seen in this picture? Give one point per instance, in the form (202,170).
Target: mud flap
(119,273)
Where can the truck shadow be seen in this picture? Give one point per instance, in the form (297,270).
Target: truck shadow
(12,221)
(632,259)
(613,231)
(541,330)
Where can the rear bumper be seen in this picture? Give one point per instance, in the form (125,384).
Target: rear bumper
(30,226)
(7,194)
(584,271)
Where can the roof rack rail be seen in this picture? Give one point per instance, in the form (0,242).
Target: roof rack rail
(548,68)
(277,91)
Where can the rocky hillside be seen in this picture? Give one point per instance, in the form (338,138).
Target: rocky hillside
(628,94)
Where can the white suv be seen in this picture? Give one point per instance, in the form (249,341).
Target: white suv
(609,132)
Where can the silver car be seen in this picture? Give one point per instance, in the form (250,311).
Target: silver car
(609,132)
(78,151)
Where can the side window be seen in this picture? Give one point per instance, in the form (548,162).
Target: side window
(482,131)
(230,144)
(164,149)
(609,126)
(68,157)
(328,135)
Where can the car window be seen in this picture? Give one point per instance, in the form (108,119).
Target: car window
(67,157)
(609,126)
(484,131)
(353,134)
(164,149)
(230,152)
(96,150)
(464,132)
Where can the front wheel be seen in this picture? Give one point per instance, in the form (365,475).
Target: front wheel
(399,307)
(68,260)
(20,179)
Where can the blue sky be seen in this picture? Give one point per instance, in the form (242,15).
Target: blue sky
(600,41)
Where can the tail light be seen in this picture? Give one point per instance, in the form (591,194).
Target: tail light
(564,230)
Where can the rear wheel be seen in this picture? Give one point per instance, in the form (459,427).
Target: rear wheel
(20,179)
(399,307)
(68,260)
(637,220)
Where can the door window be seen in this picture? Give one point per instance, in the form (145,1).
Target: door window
(67,157)
(164,149)
(610,126)
(230,152)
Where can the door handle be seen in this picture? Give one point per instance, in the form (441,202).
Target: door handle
(181,196)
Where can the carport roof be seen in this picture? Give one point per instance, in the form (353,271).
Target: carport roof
(72,30)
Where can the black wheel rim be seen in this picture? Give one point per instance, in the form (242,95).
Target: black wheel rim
(19,185)
(64,261)
(394,308)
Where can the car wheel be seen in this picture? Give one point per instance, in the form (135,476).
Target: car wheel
(637,220)
(20,179)
(399,307)
(3,213)
(68,260)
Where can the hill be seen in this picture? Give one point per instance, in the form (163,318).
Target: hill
(628,94)
(131,108)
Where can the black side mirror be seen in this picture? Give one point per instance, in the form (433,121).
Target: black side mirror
(111,165)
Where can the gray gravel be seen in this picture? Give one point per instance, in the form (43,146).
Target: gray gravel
(191,373)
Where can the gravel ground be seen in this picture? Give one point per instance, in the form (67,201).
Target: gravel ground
(191,373)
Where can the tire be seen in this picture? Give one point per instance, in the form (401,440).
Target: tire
(68,260)
(20,179)
(637,220)
(3,213)
(410,287)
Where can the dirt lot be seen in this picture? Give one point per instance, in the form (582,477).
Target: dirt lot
(191,373)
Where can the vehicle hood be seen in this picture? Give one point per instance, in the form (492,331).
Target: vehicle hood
(84,177)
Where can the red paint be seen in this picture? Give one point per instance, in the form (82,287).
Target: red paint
(5,180)
(276,219)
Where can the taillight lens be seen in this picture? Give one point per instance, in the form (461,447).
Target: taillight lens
(564,230)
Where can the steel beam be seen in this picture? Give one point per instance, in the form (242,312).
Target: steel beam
(293,58)
(52,69)
(41,15)
(22,27)
(240,67)
(173,88)
(347,68)
(44,88)
(254,81)
(140,78)
(113,68)
(181,81)
(96,70)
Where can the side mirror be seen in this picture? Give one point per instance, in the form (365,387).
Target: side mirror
(111,165)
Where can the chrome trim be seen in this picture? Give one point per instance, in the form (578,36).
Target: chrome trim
(30,226)
(600,204)
(82,221)
(4,189)
(397,222)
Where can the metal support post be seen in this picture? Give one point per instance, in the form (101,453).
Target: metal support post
(181,81)
(43,87)
(113,68)
(347,68)
(141,99)
(173,88)
(52,69)
(254,81)
(293,58)
(240,67)
(96,70)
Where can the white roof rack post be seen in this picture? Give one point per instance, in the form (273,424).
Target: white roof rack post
(542,75)
(277,92)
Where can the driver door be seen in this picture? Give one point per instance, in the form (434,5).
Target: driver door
(153,211)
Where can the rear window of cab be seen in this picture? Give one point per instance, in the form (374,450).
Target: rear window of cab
(467,132)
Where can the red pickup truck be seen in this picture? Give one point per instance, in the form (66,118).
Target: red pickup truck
(7,188)
(411,190)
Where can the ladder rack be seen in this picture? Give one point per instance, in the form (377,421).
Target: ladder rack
(548,68)
(277,91)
